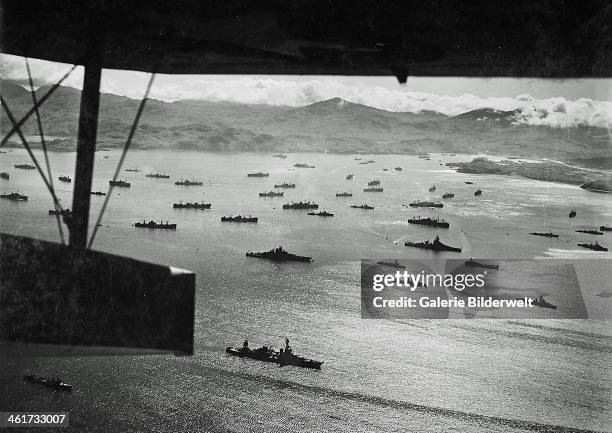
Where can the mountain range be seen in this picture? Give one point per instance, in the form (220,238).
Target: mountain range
(334,125)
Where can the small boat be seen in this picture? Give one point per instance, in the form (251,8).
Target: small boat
(436,245)
(279,155)
(65,179)
(448,195)
(119,183)
(425,204)
(437,222)
(373,189)
(284,185)
(301,205)
(394,264)
(279,255)
(134,170)
(154,225)
(594,247)
(546,235)
(321,214)
(398,169)
(25,166)
(187,182)
(4,175)
(158,175)
(63,212)
(542,303)
(272,194)
(51,382)
(432,188)
(300,165)
(474,264)
(478,192)
(14,196)
(350,176)
(362,206)
(98,193)
(467,182)
(572,213)
(344,194)
(605,229)
(374,182)
(239,219)
(258,174)
(590,232)
(190,205)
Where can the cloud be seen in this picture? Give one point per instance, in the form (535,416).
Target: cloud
(300,91)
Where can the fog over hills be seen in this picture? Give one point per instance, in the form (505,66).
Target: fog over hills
(333,125)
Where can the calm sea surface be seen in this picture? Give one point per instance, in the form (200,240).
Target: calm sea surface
(446,375)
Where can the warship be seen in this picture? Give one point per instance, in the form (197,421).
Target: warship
(398,169)
(279,255)
(154,225)
(432,188)
(350,176)
(467,182)
(63,212)
(98,193)
(595,247)
(374,182)
(541,302)
(272,194)
(282,357)
(14,196)
(321,214)
(258,174)
(435,245)
(590,232)
(572,213)
(394,264)
(301,205)
(370,161)
(284,185)
(133,170)
(190,205)
(478,192)
(239,219)
(362,206)
(51,382)
(448,195)
(279,155)
(4,175)
(437,222)
(119,183)
(474,264)
(425,204)
(373,189)
(187,182)
(65,179)
(423,156)
(546,235)
(300,165)
(344,194)
(158,175)
(605,229)
(25,166)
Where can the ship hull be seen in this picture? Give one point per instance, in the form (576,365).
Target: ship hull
(279,257)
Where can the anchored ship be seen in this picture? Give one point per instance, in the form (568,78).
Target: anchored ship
(272,194)
(25,166)
(279,155)
(572,213)
(4,175)
(187,182)
(590,232)
(190,205)
(279,255)
(448,195)
(478,192)
(436,245)
(301,205)
(362,206)
(154,225)
(134,170)
(374,182)
(546,235)
(349,176)
(119,183)
(398,169)
(344,194)
(14,196)
(158,175)
(65,179)
(474,264)
(373,189)
(437,222)
(239,219)
(300,165)
(98,193)
(51,382)
(258,174)
(432,188)
(63,212)
(467,182)
(425,204)
(605,229)
(284,185)
(321,214)
(394,264)
(283,357)
(595,247)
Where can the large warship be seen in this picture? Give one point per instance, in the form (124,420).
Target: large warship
(373,189)
(119,183)
(301,205)
(594,247)
(187,182)
(425,204)
(362,206)
(546,235)
(282,357)
(258,174)
(437,222)
(158,175)
(272,194)
(300,165)
(25,166)
(344,194)
(50,382)
(63,212)
(605,229)
(279,255)
(590,232)
(154,225)
(284,185)
(239,219)
(190,205)
(14,196)
(435,245)
(322,213)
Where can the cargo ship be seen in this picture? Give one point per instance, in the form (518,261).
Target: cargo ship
(158,175)
(437,222)
(190,205)
(187,182)
(154,225)
(258,174)
(284,185)
(425,204)
(239,219)
(272,194)
(119,183)
(301,205)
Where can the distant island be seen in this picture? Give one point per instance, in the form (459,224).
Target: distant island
(549,171)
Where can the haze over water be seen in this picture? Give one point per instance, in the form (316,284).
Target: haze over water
(460,375)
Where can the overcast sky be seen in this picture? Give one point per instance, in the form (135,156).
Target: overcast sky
(551,102)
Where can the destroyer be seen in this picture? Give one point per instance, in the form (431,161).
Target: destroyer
(272,194)
(258,174)
(25,166)
(282,357)
(546,235)
(436,245)
(154,225)
(321,214)
(119,183)
(437,222)
(362,206)
(158,175)
(594,247)
(605,229)
(279,255)
(239,219)
(425,204)
(590,232)
(373,189)
(301,205)
(300,165)
(344,194)
(63,212)
(98,193)
(190,205)
(284,185)
(14,196)
(187,182)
